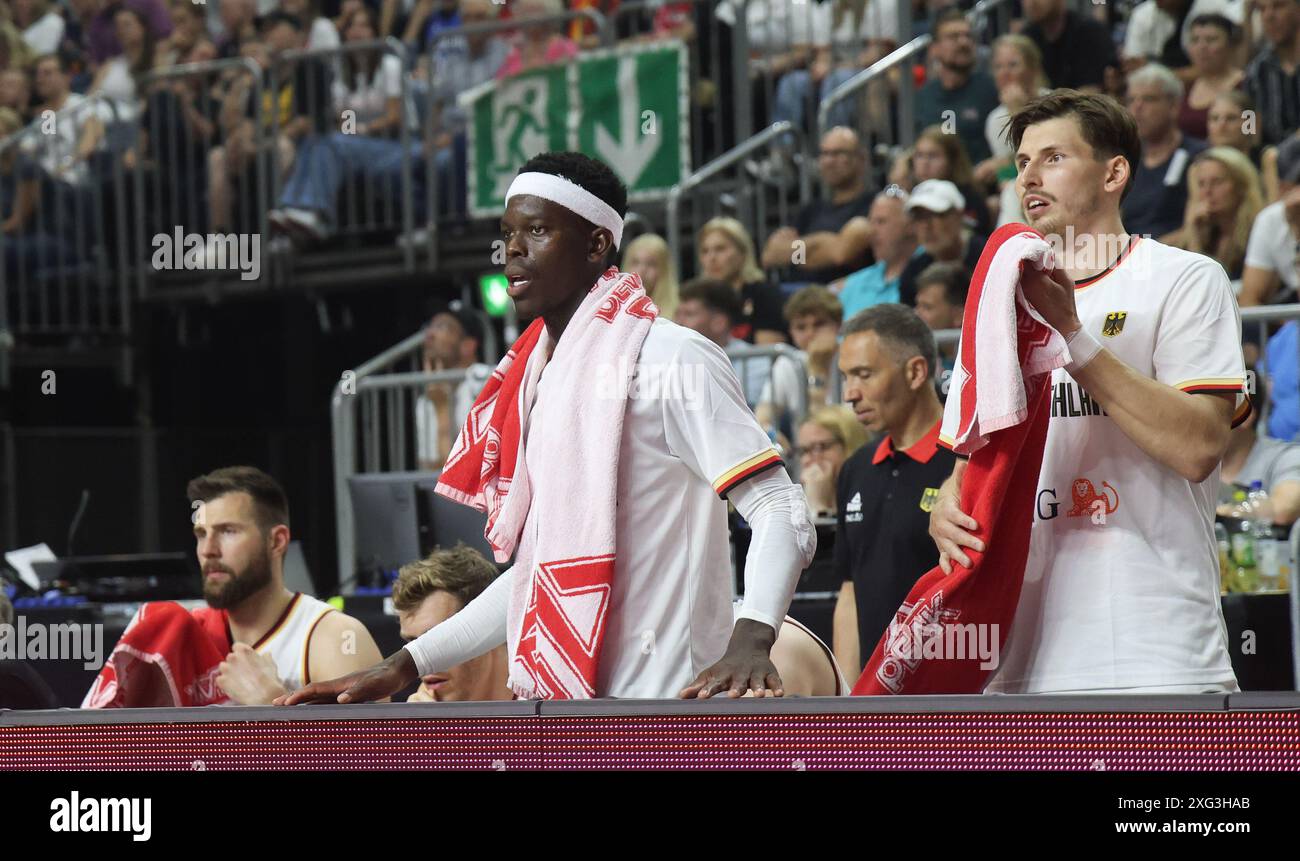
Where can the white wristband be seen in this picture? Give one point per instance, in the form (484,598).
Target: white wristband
(1083,349)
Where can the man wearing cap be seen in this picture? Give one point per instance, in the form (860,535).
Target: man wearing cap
(603,450)
(937,210)
(452,341)
(1274,246)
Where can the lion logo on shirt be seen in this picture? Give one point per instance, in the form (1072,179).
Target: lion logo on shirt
(1085,498)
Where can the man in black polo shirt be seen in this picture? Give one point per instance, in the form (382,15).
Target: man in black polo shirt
(1076,50)
(886,490)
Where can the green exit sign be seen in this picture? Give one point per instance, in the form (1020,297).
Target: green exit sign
(496,294)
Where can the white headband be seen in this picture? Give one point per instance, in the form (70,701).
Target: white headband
(571,196)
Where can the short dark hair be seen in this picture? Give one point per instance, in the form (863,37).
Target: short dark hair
(947,16)
(717,296)
(953,277)
(591,174)
(1223,22)
(902,330)
(460,571)
(276,17)
(270,505)
(58,58)
(1106,126)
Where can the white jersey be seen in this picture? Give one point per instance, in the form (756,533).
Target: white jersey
(688,438)
(288,643)
(1121,587)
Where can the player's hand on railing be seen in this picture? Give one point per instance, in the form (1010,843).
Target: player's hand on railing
(745,667)
(382,680)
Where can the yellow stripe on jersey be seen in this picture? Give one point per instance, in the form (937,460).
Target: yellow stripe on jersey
(1213,384)
(741,471)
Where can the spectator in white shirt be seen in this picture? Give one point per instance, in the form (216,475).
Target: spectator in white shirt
(452,342)
(367,102)
(41,24)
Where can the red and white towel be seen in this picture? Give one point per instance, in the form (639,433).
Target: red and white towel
(997,413)
(167,656)
(561,591)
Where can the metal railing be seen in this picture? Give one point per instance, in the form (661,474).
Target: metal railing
(905,126)
(369,197)
(731,159)
(62,272)
(756,368)
(717,120)
(434,213)
(374,424)
(184,182)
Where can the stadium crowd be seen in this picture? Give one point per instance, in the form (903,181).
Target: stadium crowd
(1213,87)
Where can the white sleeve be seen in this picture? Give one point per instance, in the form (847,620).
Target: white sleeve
(710,427)
(390,76)
(1265,238)
(1137,36)
(324,34)
(476,629)
(1198,344)
(426,429)
(782,547)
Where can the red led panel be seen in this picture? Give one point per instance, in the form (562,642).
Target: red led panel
(1193,741)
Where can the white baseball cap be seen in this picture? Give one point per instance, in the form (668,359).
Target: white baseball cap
(935,195)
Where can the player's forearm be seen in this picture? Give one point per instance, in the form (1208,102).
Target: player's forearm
(844,632)
(1155,415)
(478,628)
(783,544)
(824,250)
(1285,498)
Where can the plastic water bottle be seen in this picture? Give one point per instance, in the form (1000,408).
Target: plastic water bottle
(1243,545)
(1267,562)
(1225,557)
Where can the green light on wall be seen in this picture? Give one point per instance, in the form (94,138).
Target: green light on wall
(496,295)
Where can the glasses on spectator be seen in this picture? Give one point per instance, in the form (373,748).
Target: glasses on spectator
(815,448)
(894,190)
(836,153)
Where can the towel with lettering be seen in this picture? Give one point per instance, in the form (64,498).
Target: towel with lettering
(947,633)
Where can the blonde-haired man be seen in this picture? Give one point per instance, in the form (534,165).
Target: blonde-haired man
(429,592)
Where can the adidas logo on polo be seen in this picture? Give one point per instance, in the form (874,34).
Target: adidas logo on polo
(853,511)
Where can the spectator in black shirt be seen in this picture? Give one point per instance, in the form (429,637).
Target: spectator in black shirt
(727,254)
(1273,77)
(1158,197)
(842,163)
(885,491)
(1076,50)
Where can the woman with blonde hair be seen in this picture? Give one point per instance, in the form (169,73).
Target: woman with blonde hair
(825,440)
(727,254)
(1222,202)
(1018,72)
(649,256)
